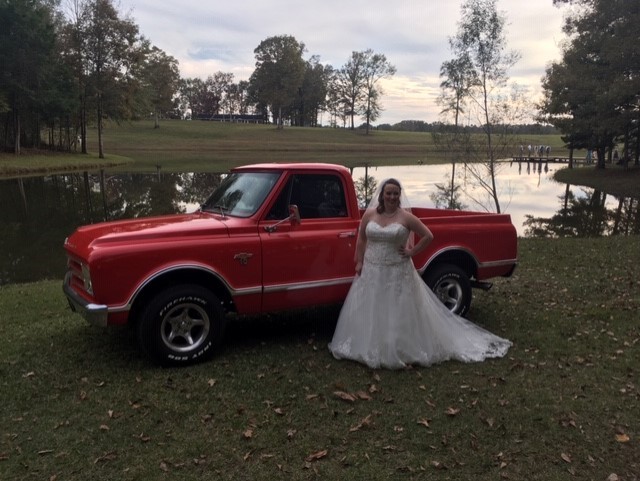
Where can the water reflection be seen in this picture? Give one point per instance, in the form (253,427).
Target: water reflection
(539,206)
(36,214)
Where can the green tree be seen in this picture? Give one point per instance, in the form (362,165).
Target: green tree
(593,94)
(279,74)
(161,78)
(27,43)
(109,48)
(237,96)
(312,95)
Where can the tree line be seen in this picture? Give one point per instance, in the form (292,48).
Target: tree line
(63,71)
(592,95)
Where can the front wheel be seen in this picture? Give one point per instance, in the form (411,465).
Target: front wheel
(451,285)
(181,325)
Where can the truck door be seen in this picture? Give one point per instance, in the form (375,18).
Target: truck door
(310,263)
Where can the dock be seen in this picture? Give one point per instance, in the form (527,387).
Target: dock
(558,160)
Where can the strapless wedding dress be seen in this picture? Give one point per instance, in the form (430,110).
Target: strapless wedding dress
(391,319)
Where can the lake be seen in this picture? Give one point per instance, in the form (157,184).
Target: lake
(37,213)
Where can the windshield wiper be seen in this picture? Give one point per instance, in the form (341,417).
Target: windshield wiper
(215,209)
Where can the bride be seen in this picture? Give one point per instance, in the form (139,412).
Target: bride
(390,318)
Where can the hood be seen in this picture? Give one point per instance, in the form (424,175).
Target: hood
(144,230)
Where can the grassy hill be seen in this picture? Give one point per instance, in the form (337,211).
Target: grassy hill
(214,147)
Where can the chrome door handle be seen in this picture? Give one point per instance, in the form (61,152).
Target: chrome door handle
(343,235)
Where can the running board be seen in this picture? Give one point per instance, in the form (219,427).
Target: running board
(485,286)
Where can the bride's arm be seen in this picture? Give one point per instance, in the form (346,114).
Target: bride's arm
(416,226)
(361,244)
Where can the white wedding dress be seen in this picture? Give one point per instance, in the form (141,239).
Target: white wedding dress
(391,319)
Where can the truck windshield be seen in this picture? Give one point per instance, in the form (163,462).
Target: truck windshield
(241,194)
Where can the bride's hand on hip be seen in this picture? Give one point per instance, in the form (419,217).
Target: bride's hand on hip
(358,268)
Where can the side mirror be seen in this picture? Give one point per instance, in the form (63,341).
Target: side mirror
(294,218)
(294,214)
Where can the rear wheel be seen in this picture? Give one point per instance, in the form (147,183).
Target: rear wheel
(181,325)
(452,286)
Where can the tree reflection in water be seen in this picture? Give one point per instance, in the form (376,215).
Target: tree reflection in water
(37,213)
(587,217)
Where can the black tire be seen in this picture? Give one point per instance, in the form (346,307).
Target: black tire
(452,286)
(181,325)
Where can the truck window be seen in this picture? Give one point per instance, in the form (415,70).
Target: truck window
(240,194)
(316,195)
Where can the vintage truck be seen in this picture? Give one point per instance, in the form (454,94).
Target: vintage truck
(271,237)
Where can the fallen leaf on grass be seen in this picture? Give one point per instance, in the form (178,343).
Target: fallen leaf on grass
(345,396)
(424,422)
(566,458)
(364,422)
(110,456)
(248,433)
(623,438)
(317,455)
(364,396)
(452,411)
(212,382)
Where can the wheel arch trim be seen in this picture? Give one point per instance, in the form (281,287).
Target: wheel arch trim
(233,292)
(439,254)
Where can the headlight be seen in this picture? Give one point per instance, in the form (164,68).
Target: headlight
(86,278)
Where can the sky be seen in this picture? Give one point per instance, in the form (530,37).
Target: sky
(208,36)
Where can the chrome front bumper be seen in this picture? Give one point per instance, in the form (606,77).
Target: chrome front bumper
(95,314)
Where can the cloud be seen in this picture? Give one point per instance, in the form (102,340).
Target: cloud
(206,37)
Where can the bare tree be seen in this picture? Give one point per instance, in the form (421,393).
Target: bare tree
(376,68)
(481,39)
(349,82)
(356,85)
(458,79)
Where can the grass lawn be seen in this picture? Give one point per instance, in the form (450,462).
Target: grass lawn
(81,403)
(197,146)
(613,179)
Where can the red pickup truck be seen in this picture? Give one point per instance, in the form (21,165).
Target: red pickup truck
(271,237)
